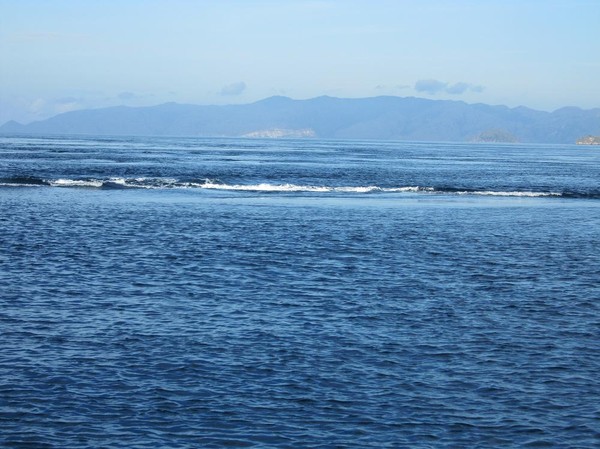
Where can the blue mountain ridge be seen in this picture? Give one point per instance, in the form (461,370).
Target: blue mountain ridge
(377,118)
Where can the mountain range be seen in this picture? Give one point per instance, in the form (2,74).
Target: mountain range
(379,118)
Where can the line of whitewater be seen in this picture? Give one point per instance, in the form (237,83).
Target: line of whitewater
(264,187)
(146,183)
(168,183)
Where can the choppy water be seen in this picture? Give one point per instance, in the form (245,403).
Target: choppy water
(178,293)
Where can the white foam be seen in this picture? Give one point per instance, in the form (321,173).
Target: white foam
(119,181)
(515,193)
(409,189)
(152,183)
(169,183)
(92,183)
(264,187)
(365,189)
(76,183)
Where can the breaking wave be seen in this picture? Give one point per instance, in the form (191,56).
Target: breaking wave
(513,193)
(208,184)
(264,187)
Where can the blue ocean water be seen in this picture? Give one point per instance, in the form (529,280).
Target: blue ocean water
(179,293)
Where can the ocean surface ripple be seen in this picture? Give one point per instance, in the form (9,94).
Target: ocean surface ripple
(193,317)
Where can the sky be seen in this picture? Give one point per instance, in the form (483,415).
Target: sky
(63,55)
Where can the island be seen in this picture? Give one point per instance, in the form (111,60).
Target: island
(495,135)
(589,140)
(278,133)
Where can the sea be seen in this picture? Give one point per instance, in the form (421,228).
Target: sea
(161,292)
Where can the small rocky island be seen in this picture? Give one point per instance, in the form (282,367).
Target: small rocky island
(278,133)
(495,136)
(589,140)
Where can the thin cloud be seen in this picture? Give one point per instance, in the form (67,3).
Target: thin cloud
(430,86)
(233,89)
(461,88)
(127,96)
(433,87)
(457,89)
(41,108)
(65,104)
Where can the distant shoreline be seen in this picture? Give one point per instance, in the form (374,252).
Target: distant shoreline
(589,140)
(374,118)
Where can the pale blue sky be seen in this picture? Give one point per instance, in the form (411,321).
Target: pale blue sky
(62,55)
